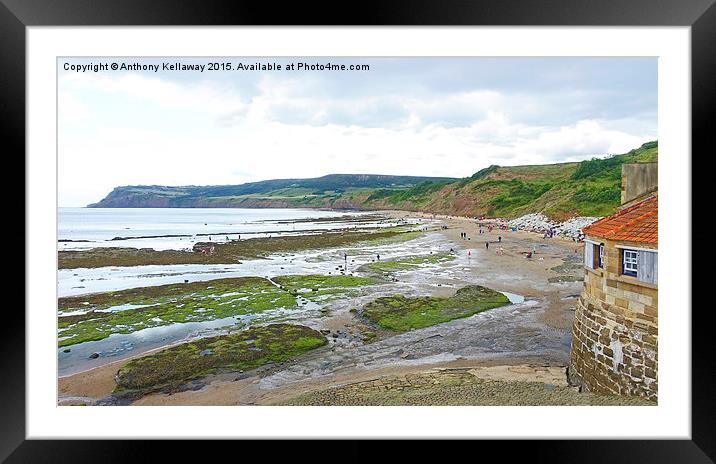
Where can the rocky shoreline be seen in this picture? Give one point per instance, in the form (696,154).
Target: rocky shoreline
(537,329)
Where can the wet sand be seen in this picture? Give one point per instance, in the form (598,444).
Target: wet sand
(510,271)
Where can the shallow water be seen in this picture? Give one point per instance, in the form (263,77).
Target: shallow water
(93,280)
(181,228)
(315,262)
(494,334)
(509,331)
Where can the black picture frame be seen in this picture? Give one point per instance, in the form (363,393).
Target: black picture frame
(16,15)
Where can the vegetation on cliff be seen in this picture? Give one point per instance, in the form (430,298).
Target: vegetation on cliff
(321,191)
(559,191)
(587,188)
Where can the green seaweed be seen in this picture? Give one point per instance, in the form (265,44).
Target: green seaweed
(400,314)
(171,304)
(250,348)
(409,262)
(318,287)
(228,252)
(95,317)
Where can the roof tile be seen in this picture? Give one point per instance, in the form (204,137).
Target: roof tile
(637,223)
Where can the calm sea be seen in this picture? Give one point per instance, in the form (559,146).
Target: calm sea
(82,228)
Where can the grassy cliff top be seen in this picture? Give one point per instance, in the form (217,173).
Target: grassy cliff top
(560,191)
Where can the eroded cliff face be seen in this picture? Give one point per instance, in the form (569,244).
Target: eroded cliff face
(559,191)
(133,201)
(147,201)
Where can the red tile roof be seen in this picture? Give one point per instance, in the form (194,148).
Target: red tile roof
(636,223)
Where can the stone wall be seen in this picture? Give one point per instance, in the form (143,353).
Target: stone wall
(638,179)
(614,333)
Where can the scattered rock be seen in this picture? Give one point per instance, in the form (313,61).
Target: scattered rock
(94,356)
(537,222)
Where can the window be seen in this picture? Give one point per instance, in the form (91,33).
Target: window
(601,256)
(630,262)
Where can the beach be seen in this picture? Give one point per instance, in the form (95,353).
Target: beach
(517,346)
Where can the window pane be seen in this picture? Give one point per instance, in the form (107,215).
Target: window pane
(630,262)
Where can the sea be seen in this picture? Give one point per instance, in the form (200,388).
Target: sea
(181,228)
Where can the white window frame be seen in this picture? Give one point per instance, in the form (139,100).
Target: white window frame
(630,265)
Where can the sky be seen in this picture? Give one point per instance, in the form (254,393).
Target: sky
(404,116)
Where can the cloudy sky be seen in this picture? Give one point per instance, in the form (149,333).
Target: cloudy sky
(410,116)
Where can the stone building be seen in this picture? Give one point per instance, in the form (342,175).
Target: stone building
(614,333)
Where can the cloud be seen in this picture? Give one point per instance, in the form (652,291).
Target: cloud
(441,118)
(205,97)
(74,111)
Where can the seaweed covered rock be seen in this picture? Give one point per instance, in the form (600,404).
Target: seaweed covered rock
(171,367)
(400,313)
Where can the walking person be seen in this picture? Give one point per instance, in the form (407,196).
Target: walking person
(487,245)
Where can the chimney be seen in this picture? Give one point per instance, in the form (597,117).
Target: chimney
(638,179)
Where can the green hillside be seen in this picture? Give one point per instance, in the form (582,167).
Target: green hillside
(320,191)
(587,188)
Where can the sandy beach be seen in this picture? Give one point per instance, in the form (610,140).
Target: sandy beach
(503,265)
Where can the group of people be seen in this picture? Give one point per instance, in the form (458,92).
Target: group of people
(464,236)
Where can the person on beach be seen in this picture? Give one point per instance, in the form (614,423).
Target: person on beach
(377,256)
(469,254)
(499,239)
(487,245)
(501,251)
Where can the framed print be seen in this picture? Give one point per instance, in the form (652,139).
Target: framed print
(411,222)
